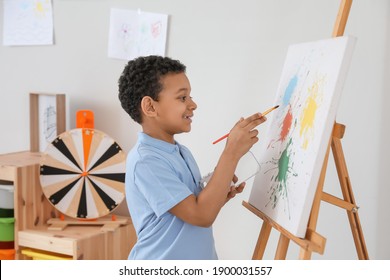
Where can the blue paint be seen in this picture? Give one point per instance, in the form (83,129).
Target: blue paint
(289,90)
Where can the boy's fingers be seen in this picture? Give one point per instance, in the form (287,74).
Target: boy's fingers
(253,133)
(256,122)
(253,121)
(240,188)
(231,194)
(240,120)
(250,119)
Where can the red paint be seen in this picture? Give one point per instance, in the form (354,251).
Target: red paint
(286,125)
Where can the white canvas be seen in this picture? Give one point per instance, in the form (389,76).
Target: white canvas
(294,146)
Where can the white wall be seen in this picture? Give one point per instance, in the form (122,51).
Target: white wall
(234,52)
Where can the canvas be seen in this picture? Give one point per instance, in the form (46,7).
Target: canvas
(294,146)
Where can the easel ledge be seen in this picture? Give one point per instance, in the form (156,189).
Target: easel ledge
(313,241)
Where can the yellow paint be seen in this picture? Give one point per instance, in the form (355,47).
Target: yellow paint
(309,113)
(39,7)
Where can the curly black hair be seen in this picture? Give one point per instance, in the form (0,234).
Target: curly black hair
(142,77)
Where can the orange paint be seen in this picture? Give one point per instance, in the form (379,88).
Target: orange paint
(285,128)
(286,125)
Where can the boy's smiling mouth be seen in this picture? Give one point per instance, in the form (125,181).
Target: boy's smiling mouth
(188,117)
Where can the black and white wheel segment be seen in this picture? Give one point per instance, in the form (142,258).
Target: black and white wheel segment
(82,173)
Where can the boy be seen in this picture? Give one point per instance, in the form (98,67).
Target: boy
(171,213)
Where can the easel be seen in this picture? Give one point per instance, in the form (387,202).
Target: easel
(313,242)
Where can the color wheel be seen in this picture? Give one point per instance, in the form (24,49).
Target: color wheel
(83,173)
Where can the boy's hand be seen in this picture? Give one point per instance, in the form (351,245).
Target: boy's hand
(235,190)
(243,135)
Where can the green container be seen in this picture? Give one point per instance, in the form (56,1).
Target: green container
(7,229)
(6,213)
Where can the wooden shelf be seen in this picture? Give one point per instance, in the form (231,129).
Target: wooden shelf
(33,211)
(80,242)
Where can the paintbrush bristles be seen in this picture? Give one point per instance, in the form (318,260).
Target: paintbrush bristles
(270,110)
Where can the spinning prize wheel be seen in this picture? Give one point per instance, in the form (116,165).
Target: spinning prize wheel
(83,173)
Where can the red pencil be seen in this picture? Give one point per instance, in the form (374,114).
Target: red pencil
(263,114)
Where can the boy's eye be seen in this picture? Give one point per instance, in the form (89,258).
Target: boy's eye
(184,98)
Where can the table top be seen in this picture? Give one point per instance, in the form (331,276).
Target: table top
(19,159)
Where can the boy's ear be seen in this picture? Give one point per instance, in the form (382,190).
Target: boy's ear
(147,106)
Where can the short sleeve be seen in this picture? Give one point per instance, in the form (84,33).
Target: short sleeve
(159,184)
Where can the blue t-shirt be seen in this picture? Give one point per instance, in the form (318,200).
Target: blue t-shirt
(159,175)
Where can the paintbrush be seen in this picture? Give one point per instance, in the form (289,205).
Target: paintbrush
(263,114)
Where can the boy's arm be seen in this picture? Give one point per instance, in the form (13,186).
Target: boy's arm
(203,209)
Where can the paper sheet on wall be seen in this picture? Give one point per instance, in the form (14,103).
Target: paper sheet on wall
(27,22)
(134,33)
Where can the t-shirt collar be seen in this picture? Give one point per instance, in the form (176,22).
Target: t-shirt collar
(159,144)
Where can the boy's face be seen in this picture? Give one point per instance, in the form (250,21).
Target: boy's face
(175,107)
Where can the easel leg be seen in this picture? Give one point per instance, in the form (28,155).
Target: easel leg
(342,17)
(346,189)
(305,254)
(281,251)
(262,241)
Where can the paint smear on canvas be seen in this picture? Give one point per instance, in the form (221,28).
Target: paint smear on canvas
(289,90)
(309,111)
(282,171)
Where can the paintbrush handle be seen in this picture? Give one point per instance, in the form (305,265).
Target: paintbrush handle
(263,114)
(220,139)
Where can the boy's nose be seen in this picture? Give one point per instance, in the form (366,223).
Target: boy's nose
(193,105)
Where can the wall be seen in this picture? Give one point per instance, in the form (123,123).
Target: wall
(234,51)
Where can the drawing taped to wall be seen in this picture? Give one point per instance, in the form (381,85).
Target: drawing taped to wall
(136,33)
(28,22)
(294,147)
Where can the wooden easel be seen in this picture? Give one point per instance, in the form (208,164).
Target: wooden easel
(313,242)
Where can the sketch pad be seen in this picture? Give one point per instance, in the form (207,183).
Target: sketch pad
(298,133)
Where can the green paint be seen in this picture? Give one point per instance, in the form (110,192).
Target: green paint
(283,162)
(278,189)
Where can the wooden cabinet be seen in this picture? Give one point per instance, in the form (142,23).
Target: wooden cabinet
(33,211)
